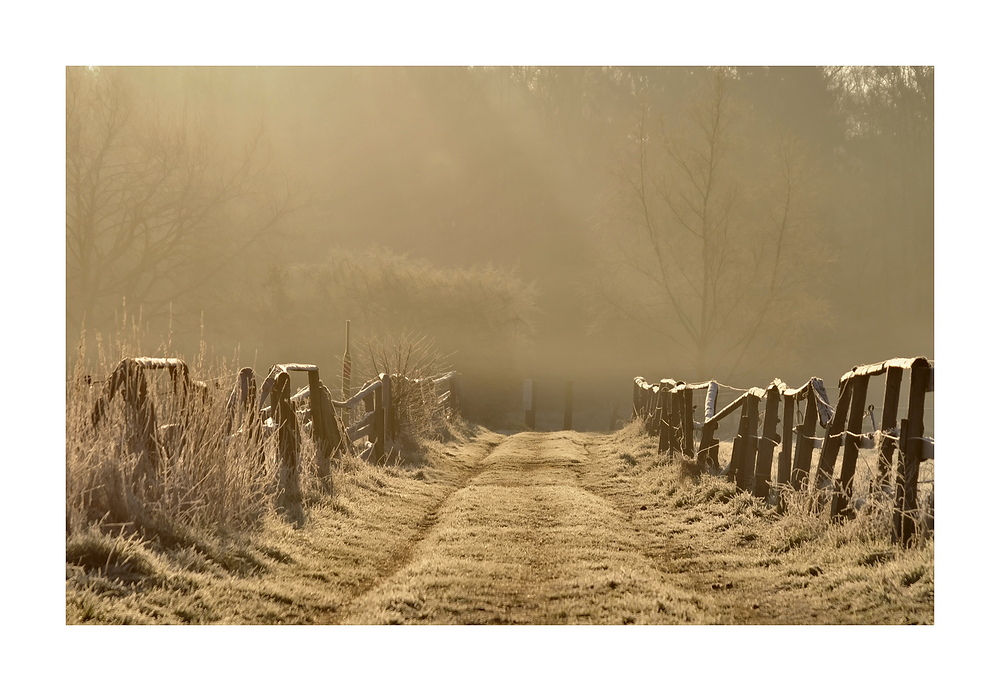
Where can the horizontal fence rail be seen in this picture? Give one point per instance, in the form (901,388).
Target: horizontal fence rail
(766,458)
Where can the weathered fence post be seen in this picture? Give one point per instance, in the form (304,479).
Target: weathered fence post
(320,432)
(785,455)
(377,435)
(675,416)
(687,421)
(284,419)
(890,411)
(832,441)
(911,453)
(568,414)
(805,444)
(665,431)
(841,505)
(768,441)
(745,476)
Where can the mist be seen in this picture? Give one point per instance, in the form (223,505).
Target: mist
(584,224)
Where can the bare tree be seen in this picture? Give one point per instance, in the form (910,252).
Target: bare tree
(717,236)
(152,210)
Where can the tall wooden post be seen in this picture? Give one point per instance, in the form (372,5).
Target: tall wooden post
(845,486)
(745,472)
(911,448)
(804,444)
(890,411)
(687,421)
(832,441)
(768,441)
(288,442)
(322,437)
(666,431)
(785,455)
(675,417)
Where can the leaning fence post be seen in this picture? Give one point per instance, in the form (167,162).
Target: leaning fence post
(832,441)
(805,444)
(845,485)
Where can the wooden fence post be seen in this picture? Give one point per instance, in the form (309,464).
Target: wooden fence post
(379,419)
(832,441)
(675,416)
(890,411)
(376,433)
(664,429)
(785,455)
(687,421)
(768,441)
(841,504)
(708,450)
(287,431)
(804,444)
(911,448)
(743,441)
(320,427)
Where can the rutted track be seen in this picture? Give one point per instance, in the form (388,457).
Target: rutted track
(523,542)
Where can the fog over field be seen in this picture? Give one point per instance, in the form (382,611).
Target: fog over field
(559,223)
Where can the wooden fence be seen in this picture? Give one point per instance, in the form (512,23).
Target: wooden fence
(364,425)
(667,411)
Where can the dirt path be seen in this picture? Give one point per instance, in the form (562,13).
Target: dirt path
(524,542)
(533,528)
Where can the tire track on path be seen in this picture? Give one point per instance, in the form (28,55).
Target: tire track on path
(523,542)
